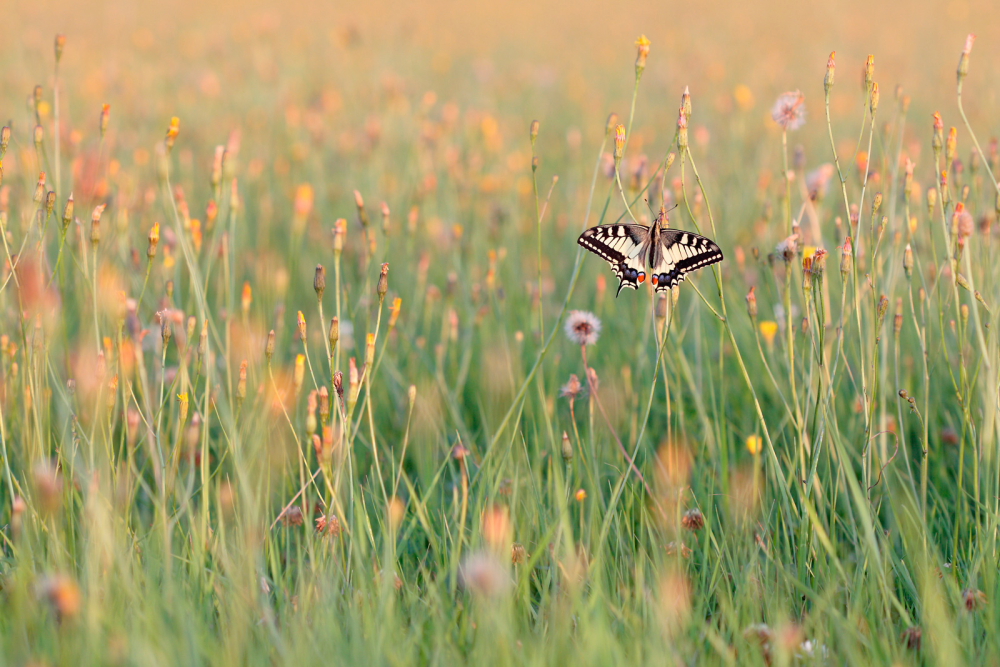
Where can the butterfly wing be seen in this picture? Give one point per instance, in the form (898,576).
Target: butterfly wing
(622,247)
(678,254)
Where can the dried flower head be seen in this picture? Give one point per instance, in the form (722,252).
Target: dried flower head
(693,519)
(973,599)
(573,388)
(789,110)
(583,327)
(291,516)
(912,637)
(328,525)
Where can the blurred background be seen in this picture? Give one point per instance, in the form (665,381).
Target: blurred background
(216,54)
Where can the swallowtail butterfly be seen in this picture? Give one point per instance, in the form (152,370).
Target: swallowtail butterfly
(670,253)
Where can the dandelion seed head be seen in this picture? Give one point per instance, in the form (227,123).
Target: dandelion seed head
(789,110)
(583,327)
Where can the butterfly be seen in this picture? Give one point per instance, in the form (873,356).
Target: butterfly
(670,253)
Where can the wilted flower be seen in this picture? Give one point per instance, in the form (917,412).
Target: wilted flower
(693,519)
(583,327)
(518,554)
(788,247)
(973,598)
(912,637)
(573,388)
(789,111)
(329,525)
(291,516)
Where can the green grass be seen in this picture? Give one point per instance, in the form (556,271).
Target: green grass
(161,482)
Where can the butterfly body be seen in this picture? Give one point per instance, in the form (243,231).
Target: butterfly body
(670,254)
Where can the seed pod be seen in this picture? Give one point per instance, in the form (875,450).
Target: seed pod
(883,306)
(752,303)
(619,142)
(334,333)
(609,126)
(339,236)
(154,240)
(845,258)
(567,448)
(897,321)
(686,101)
(873,100)
(533,132)
(951,146)
(95,224)
(39,195)
(166,330)
(338,385)
(963,60)
(50,203)
(383,282)
(269,346)
(869,72)
(831,67)
(67,214)
(4,140)
(241,386)
(908,261)
(682,131)
(319,281)
(324,404)
(301,324)
(354,384)
(359,202)
(932,197)
(203,340)
(937,139)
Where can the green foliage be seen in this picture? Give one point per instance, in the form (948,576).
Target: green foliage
(816,476)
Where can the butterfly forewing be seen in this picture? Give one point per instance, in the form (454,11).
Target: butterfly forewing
(680,253)
(622,247)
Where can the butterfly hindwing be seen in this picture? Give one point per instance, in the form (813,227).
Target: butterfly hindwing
(622,247)
(680,253)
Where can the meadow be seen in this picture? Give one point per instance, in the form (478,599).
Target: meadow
(300,361)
